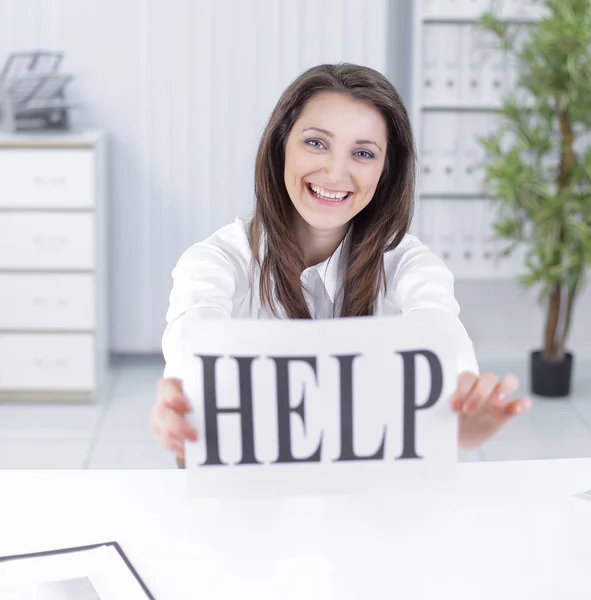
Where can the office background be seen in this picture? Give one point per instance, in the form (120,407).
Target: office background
(182,90)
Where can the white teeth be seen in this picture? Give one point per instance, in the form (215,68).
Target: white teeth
(328,195)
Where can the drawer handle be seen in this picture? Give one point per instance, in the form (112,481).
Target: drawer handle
(47,181)
(49,241)
(50,363)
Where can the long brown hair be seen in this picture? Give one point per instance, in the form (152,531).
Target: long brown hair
(379,227)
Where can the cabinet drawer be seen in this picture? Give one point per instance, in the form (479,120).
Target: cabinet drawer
(46,362)
(47,301)
(46,241)
(46,178)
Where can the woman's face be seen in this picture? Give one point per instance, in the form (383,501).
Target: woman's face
(334,157)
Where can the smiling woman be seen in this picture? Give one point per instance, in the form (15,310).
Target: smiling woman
(334,197)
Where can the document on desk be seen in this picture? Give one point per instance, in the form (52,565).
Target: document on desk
(333,405)
(100,572)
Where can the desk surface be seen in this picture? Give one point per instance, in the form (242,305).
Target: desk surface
(504,530)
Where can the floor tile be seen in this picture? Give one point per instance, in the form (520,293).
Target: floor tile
(547,420)
(49,422)
(47,454)
(536,449)
(126,422)
(123,454)
(138,382)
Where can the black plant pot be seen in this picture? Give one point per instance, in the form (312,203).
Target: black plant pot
(550,378)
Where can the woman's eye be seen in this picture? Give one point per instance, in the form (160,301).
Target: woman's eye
(364,154)
(314,143)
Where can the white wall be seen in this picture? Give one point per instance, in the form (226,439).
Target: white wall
(183,89)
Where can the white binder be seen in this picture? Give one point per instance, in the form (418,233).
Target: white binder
(444,218)
(492,263)
(449,44)
(426,231)
(471,173)
(522,9)
(447,161)
(431,65)
(472,77)
(466,234)
(449,9)
(428,153)
(441,65)
(494,69)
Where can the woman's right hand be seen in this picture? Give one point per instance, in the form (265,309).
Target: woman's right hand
(167,421)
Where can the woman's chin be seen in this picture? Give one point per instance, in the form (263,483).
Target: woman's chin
(319,220)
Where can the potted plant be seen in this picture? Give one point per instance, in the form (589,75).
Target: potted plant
(538,170)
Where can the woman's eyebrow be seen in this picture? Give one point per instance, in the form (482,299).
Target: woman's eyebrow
(329,134)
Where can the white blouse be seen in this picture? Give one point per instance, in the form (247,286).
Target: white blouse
(212,278)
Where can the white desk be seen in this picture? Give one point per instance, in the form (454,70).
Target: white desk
(506,530)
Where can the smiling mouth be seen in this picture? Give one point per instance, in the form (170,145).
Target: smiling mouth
(328,195)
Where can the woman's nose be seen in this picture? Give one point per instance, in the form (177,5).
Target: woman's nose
(335,169)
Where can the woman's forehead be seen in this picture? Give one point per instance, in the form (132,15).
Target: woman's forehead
(341,115)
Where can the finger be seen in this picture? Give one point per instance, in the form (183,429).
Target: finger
(173,442)
(178,427)
(504,390)
(178,450)
(518,407)
(465,382)
(480,392)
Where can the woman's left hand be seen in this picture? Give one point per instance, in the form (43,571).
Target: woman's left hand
(484,406)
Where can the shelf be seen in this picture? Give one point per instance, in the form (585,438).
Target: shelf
(459,108)
(452,196)
(473,21)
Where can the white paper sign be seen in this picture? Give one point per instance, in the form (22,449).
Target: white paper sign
(285,406)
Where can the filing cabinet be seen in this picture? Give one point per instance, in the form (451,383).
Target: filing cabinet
(53,268)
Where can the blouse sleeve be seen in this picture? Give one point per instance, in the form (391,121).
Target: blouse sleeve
(422,282)
(204,283)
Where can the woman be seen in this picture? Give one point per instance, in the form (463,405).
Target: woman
(334,195)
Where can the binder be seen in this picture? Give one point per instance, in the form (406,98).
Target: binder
(494,70)
(490,245)
(522,9)
(449,46)
(475,8)
(450,9)
(472,154)
(466,236)
(441,55)
(426,232)
(98,571)
(448,245)
(447,163)
(428,153)
(472,58)
(431,65)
